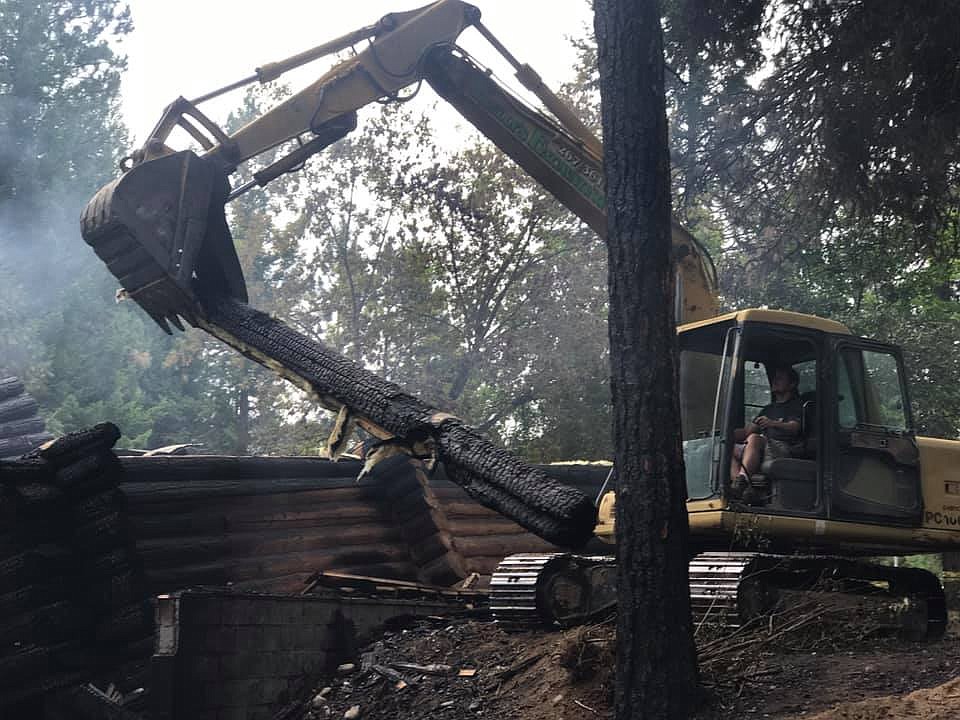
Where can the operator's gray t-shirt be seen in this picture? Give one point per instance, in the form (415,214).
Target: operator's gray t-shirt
(785,412)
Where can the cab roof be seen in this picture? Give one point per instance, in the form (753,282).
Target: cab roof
(775,317)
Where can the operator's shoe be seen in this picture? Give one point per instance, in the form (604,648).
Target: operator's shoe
(740,486)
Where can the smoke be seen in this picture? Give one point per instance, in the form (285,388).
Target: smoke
(44,264)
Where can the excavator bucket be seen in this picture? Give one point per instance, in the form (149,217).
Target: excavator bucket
(162,231)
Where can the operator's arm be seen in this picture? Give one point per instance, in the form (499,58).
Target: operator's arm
(787,425)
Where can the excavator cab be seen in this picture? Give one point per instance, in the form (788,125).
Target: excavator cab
(849,486)
(856,456)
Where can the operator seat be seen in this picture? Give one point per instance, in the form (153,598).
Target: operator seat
(793,480)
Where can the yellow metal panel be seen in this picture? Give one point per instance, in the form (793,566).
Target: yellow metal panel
(605,529)
(696,277)
(776,317)
(940,468)
(836,535)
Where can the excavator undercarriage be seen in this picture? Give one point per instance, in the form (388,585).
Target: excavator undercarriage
(728,590)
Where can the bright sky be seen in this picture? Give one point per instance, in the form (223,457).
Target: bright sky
(189,47)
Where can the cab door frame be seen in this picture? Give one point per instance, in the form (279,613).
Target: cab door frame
(871,455)
(735,396)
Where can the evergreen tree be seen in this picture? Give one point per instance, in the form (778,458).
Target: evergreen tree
(85,357)
(59,136)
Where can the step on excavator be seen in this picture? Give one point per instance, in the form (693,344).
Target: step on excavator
(857,484)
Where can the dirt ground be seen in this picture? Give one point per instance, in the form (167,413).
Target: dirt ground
(473,669)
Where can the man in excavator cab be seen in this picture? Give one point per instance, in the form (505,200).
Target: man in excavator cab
(774,433)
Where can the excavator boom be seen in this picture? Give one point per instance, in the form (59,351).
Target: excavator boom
(161,226)
(566,160)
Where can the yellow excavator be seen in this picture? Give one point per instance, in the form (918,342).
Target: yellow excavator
(861,485)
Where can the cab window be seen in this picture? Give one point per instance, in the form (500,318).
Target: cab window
(869,390)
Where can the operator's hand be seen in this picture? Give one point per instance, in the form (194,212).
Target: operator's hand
(763,422)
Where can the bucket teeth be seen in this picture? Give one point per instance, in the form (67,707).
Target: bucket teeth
(161,321)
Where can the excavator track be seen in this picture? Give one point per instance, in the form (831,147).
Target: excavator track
(727,589)
(716,579)
(529,590)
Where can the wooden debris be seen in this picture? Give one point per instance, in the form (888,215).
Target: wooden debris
(432,669)
(585,707)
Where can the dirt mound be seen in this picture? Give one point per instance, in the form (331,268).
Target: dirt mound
(445,670)
(939,703)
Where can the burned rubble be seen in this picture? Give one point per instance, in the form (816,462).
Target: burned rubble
(457,669)
(203,587)
(232,558)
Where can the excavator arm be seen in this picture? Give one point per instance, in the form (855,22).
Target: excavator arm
(161,229)
(563,156)
(172,203)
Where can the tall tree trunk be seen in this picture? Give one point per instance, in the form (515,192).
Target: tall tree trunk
(656,659)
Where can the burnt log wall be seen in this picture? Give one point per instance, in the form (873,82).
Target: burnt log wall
(483,537)
(72,600)
(269,523)
(257,523)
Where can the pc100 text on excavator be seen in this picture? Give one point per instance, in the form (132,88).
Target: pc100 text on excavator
(859,484)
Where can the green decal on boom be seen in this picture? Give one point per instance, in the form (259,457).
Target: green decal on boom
(541,146)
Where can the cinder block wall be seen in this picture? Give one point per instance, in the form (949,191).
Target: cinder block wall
(230,655)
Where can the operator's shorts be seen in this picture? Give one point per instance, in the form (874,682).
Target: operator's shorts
(781,449)
(773,449)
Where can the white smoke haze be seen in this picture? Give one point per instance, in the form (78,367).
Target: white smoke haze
(45,266)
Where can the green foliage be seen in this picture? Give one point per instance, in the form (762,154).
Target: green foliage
(930,562)
(60,136)
(85,358)
(455,276)
(861,112)
(711,50)
(59,83)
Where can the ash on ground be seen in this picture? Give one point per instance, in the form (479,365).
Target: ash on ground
(470,669)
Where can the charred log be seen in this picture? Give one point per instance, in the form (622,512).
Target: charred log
(26,426)
(17,408)
(491,475)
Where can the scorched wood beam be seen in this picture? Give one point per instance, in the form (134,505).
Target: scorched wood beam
(491,475)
